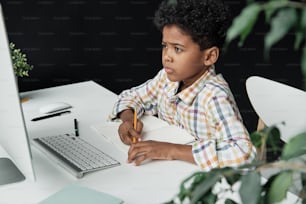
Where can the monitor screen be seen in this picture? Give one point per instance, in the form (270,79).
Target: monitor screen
(15,153)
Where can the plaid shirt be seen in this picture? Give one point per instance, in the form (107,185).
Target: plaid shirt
(206,109)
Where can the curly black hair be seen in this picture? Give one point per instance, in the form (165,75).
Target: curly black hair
(206,21)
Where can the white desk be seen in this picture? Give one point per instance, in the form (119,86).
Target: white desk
(154,182)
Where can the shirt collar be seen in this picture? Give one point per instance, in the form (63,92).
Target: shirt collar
(188,94)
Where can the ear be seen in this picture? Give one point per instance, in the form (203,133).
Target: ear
(211,55)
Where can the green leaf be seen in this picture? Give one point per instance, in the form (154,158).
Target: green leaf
(267,136)
(231,175)
(272,6)
(295,147)
(256,138)
(299,35)
(303,178)
(196,178)
(250,188)
(303,18)
(303,64)
(209,198)
(243,24)
(261,200)
(172,2)
(303,190)
(229,201)
(281,23)
(265,189)
(279,187)
(274,139)
(301,29)
(204,187)
(271,131)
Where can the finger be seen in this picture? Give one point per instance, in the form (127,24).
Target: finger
(140,159)
(139,130)
(134,152)
(131,153)
(139,126)
(134,134)
(124,133)
(125,139)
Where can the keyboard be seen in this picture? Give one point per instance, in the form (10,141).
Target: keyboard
(75,154)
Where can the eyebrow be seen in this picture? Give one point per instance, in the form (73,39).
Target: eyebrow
(174,44)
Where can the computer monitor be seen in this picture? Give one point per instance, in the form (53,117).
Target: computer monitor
(15,160)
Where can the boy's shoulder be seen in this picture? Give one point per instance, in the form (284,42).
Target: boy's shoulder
(216,86)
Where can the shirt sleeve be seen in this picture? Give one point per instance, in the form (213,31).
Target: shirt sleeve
(142,98)
(230,144)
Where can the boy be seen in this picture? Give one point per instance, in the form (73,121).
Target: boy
(187,92)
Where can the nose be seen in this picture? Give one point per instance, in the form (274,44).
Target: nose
(166,56)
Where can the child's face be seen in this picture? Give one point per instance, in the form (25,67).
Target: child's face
(181,56)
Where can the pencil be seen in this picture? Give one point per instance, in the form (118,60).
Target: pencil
(135,125)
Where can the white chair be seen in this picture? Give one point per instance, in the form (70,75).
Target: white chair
(278,104)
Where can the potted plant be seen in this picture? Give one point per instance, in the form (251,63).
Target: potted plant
(290,169)
(20,63)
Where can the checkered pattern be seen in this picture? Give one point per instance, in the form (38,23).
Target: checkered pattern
(206,109)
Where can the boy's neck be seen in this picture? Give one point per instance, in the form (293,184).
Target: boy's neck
(182,86)
(179,89)
(185,84)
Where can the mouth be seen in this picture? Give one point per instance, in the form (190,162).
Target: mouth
(168,70)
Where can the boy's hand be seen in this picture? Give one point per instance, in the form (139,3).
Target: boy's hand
(145,150)
(127,132)
(151,150)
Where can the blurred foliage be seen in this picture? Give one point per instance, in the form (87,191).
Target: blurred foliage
(20,63)
(219,184)
(213,186)
(282,16)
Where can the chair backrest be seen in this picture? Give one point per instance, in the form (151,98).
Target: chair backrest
(278,104)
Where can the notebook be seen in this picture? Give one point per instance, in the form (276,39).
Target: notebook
(154,129)
(80,195)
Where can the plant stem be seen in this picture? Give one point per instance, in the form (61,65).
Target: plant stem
(284,165)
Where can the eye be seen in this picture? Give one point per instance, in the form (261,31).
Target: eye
(163,45)
(178,50)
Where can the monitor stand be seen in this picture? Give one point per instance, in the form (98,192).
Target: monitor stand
(9,173)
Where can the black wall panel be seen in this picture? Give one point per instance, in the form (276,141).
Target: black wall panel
(116,44)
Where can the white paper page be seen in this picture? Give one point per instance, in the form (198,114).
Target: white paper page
(171,133)
(152,131)
(151,123)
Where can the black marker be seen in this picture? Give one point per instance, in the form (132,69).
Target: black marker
(76,128)
(50,115)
